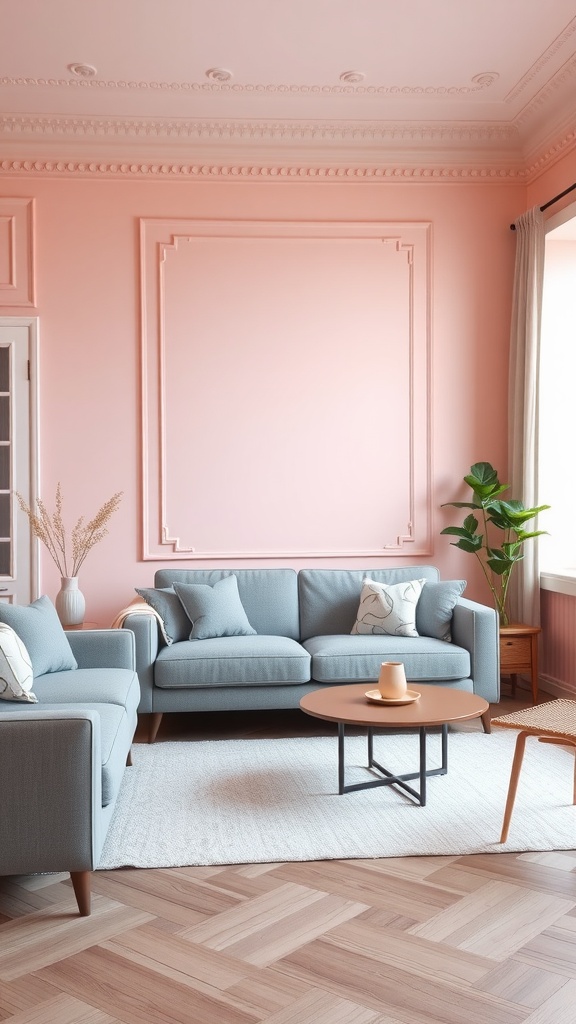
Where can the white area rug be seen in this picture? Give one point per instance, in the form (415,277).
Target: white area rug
(260,801)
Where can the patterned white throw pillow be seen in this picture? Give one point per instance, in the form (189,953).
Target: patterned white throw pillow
(388,608)
(16,676)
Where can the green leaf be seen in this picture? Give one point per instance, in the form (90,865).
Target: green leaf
(465,544)
(483,479)
(461,504)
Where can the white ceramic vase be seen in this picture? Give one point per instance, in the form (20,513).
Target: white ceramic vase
(70,603)
(392,680)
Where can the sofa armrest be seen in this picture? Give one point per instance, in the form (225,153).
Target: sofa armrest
(475,627)
(51,797)
(103,648)
(147,642)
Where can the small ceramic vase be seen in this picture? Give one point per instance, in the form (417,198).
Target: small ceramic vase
(70,603)
(392,680)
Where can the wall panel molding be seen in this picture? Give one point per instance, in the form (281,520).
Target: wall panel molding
(16,252)
(285,372)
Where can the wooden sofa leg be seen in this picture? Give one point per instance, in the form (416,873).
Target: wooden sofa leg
(81,884)
(155,720)
(129,759)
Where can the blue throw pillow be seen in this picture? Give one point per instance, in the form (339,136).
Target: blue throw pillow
(164,600)
(41,632)
(214,611)
(435,607)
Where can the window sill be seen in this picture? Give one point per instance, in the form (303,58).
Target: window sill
(561,582)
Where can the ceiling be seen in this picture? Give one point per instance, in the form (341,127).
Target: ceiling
(481,86)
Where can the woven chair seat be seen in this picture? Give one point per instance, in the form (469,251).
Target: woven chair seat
(553,722)
(557,717)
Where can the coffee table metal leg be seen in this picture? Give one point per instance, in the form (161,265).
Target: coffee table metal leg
(389,778)
(422,766)
(341,758)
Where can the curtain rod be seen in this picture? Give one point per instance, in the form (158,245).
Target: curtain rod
(551,202)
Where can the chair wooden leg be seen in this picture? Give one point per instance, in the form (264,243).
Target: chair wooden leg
(129,759)
(514,776)
(155,720)
(81,884)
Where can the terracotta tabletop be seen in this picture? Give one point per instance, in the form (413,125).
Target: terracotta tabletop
(437,705)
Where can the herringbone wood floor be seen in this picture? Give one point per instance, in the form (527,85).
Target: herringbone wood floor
(456,940)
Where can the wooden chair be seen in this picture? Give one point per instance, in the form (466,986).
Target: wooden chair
(553,722)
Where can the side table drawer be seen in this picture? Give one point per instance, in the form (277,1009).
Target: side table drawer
(515,652)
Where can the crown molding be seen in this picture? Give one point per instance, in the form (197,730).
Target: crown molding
(248,131)
(233,170)
(478,83)
(539,64)
(354,157)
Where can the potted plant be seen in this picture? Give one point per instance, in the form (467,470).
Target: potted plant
(494,531)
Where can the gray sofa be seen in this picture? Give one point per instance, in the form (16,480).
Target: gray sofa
(303,640)
(62,760)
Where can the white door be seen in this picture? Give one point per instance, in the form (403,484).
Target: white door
(18,456)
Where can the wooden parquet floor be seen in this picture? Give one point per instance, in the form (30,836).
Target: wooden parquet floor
(453,940)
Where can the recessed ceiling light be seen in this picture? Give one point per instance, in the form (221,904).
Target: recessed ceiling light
(352,77)
(82,70)
(219,74)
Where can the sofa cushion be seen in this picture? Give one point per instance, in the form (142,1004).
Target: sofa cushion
(165,601)
(388,609)
(118,686)
(232,661)
(329,597)
(214,611)
(15,668)
(344,658)
(435,607)
(269,596)
(41,632)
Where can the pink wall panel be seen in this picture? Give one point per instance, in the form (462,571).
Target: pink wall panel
(88,301)
(558,646)
(290,367)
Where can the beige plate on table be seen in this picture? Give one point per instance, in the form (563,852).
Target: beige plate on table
(409,698)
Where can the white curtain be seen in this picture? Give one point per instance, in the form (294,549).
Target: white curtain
(523,403)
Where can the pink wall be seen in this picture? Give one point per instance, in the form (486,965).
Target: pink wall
(87,276)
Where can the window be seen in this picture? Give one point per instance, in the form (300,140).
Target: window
(557,426)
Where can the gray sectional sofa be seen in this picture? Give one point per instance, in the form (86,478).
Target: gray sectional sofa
(62,760)
(302,640)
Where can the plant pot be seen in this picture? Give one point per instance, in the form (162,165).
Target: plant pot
(70,603)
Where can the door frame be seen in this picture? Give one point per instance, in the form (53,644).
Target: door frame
(33,325)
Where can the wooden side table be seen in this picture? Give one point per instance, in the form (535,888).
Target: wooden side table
(84,625)
(519,653)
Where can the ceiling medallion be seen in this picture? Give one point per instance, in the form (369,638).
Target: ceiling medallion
(352,77)
(82,70)
(219,74)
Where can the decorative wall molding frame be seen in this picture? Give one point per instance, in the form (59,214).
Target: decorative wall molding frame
(16,252)
(173,490)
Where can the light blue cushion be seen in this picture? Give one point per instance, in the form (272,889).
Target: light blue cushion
(269,596)
(329,598)
(101,685)
(165,601)
(435,607)
(232,661)
(339,659)
(214,611)
(41,632)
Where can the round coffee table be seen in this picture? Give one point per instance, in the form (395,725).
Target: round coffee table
(437,706)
